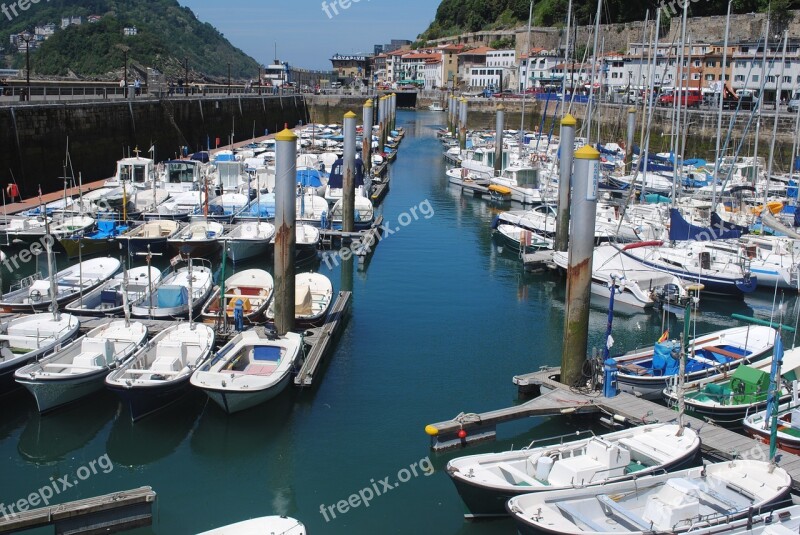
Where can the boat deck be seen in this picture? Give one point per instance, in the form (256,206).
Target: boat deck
(716,442)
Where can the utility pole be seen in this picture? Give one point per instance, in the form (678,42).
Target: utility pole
(27,38)
(229,78)
(186,75)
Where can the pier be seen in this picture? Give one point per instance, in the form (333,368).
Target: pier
(558,399)
(322,338)
(109,513)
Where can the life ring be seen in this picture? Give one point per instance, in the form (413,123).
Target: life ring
(35,296)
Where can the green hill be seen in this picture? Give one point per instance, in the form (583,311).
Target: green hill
(167,33)
(459,16)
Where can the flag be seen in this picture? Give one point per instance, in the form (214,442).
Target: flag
(151,149)
(664,337)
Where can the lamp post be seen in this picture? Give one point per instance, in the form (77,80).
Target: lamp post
(186,75)
(229,78)
(628,98)
(259,79)
(27,38)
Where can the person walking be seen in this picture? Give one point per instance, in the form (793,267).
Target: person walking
(137,87)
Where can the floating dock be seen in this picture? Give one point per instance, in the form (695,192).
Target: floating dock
(322,338)
(716,442)
(109,513)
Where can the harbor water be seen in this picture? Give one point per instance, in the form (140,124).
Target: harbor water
(441,321)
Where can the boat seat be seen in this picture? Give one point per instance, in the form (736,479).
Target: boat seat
(629,518)
(261,369)
(633,369)
(171,349)
(88,361)
(520,477)
(723,352)
(166,364)
(576,516)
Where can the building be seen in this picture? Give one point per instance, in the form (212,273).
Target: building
(432,73)
(469,60)
(351,69)
(749,72)
(45,30)
(129,31)
(70,21)
(377,50)
(396,44)
(93,18)
(379,73)
(393,66)
(450,64)
(412,67)
(535,69)
(506,62)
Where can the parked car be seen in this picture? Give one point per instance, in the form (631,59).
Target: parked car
(794,102)
(691,98)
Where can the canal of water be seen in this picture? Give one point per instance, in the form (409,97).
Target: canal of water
(441,321)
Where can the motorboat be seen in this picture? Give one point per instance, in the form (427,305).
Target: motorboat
(677,502)
(179,293)
(79,369)
(35,293)
(254,367)
(150,236)
(261,525)
(487,481)
(159,373)
(197,239)
(253,287)
(108,299)
(313,297)
(249,240)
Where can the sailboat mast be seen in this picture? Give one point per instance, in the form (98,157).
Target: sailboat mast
(527,77)
(653,62)
(778,88)
(722,86)
(49,247)
(589,107)
(760,102)
(678,103)
(566,62)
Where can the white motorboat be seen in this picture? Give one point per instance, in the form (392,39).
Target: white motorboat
(253,287)
(149,236)
(436,107)
(179,293)
(306,242)
(249,240)
(313,296)
(282,525)
(363,213)
(159,373)
(636,284)
(487,481)
(35,293)
(521,239)
(107,299)
(646,372)
(223,208)
(26,338)
(677,502)
(197,239)
(80,368)
(311,209)
(523,183)
(250,369)
(179,206)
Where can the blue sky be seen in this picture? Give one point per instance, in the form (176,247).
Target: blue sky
(306,36)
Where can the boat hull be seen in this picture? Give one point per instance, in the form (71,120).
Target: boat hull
(85,246)
(196,249)
(232,401)
(144,400)
(139,245)
(239,250)
(55,393)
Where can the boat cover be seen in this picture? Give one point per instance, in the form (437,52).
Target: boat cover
(666,358)
(682,230)
(170,296)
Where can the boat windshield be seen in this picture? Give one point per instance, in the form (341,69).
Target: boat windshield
(180,172)
(135,173)
(528,178)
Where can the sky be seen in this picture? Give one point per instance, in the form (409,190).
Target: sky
(308,36)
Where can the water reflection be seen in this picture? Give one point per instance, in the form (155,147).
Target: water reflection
(52,436)
(154,437)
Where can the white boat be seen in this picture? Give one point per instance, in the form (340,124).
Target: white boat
(636,284)
(26,338)
(197,239)
(249,240)
(179,206)
(306,242)
(149,236)
(159,373)
(521,239)
(363,213)
(264,525)
(646,372)
(523,183)
(436,107)
(35,293)
(253,287)
(313,296)
(179,293)
(487,481)
(311,209)
(80,368)
(782,521)
(679,502)
(107,299)
(222,208)
(250,369)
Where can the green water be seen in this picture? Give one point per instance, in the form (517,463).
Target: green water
(441,321)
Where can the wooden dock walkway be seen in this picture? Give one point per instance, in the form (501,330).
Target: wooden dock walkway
(322,339)
(716,442)
(109,513)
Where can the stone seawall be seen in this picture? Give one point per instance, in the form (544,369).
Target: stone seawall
(34,138)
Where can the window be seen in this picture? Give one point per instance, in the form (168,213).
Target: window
(711,63)
(755,78)
(787,79)
(697,63)
(770,79)
(738,78)
(709,77)
(741,64)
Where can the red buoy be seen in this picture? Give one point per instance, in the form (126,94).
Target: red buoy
(462,434)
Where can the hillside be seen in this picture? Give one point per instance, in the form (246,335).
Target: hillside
(459,16)
(167,33)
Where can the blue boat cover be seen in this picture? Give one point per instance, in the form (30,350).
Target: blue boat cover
(268,353)
(682,230)
(666,358)
(309,178)
(225,157)
(336,180)
(170,296)
(200,157)
(718,223)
